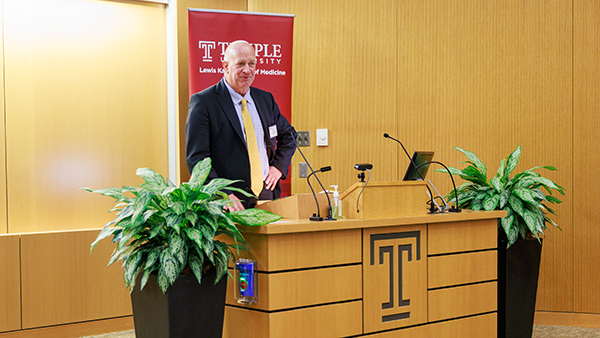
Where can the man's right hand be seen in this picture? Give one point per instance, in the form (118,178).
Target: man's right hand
(235,204)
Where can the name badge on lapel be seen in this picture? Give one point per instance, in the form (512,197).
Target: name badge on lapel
(273,131)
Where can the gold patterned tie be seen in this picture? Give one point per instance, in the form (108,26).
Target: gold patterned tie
(256,175)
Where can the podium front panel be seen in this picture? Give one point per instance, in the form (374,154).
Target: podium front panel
(410,276)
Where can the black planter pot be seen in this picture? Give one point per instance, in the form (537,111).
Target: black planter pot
(187,310)
(518,271)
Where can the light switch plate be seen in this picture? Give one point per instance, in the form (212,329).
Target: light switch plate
(322,138)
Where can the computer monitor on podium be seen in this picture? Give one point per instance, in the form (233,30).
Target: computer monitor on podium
(418,158)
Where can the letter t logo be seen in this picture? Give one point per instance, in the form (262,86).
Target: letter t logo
(206,46)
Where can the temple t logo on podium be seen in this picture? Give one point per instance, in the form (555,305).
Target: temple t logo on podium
(395,278)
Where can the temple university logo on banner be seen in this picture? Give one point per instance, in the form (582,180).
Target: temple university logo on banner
(266,54)
(210,32)
(271,35)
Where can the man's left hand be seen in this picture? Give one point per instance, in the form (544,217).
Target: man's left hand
(272,178)
(234,205)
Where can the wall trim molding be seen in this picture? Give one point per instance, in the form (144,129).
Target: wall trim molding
(75,330)
(588,320)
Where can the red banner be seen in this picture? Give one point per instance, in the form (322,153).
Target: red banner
(210,32)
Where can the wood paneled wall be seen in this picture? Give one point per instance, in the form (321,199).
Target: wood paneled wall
(586,158)
(485,76)
(51,278)
(10,283)
(85,105)
(344,79)
(3,223)
(63,283)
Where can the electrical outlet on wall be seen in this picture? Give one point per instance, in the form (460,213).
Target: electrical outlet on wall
(304,138)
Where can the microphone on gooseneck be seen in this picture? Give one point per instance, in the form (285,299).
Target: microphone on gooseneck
(453,208)
(432,206)
(317,216)
(386,135)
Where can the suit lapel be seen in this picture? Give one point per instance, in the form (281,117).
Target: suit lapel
(227,104)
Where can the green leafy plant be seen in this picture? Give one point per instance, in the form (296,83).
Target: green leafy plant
(164,229)
(522,196)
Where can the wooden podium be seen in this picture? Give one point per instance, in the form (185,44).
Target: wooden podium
(416,275)
(385,199)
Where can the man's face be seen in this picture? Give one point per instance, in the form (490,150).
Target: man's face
(240,70)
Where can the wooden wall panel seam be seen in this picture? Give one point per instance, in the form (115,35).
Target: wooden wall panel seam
(461,285)
(287,309)
(460,252)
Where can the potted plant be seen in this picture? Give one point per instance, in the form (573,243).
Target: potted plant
(166,237)
(525,197)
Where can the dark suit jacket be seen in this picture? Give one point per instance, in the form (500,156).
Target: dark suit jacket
(213,130)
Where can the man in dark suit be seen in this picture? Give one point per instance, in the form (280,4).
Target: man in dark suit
(215,128)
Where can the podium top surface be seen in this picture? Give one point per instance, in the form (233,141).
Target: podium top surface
(287,226)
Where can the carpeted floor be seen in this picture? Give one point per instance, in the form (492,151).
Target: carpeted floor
(539,331)
(122,334)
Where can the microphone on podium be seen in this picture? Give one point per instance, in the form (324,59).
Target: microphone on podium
(453,208)
(317,216)
(386,135)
